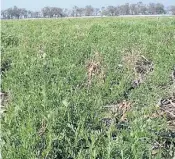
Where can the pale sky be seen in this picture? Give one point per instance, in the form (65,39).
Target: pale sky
(38,4)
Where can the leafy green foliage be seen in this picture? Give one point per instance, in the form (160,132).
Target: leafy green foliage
(54,113)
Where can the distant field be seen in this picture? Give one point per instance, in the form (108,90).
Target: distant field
(88,88)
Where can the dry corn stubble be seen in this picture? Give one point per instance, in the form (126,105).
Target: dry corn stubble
(96,68)
(4,101)
(138,64)
(119,110)
(42,128)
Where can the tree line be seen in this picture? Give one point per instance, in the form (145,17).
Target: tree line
(125,9)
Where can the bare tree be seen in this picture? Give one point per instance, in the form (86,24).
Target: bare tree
(172,9)
(124,9)
(46,12)
(56,12)
(23,13)
(152,8)
(16,12)
(104,11)
(133,9)
(80,11)
(75,11)
(141,8)
(89,10)
(35,14)
(50,12)
(96,11)
(160,8)
(4,14)
(111,10)
(66,12)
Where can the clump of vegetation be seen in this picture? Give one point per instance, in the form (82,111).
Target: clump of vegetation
(9,40)
(92,91)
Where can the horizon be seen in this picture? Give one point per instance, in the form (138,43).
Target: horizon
(37,5)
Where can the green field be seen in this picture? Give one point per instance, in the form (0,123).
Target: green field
(87,88)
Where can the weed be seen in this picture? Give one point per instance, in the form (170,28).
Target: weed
(47,65)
